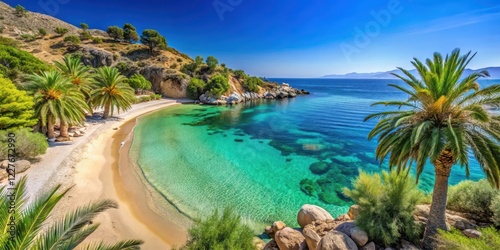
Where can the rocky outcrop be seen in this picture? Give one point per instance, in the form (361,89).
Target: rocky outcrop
(422,213)
(92,56)
(310,213)
(165,81)
(289,239)
(471,233)
(336,240)
(312,238)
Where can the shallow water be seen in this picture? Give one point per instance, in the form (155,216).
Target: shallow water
(256,157)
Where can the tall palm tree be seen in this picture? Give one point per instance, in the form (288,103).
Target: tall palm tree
(445,118)
(56,98)
(77,72)
(111,91)
(22,227)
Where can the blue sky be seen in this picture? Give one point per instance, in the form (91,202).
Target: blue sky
(302,38)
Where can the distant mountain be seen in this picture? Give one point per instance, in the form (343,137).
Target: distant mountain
(494,74)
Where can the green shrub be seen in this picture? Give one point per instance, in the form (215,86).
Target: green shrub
(96,40)
(42,32)
(179,60)
(220,232)
(212,62)
(195,88)
(28,37)
(387,202)
(253,83)
(16,107)
(495,210)
(155,97)
(218,85)
(240,74)
(15,61)
(139,83)
(472,197)
(174,66)
(85,35)
(20,11)
(145,98)
(8,42)
(28,144)
(456,240)
(61,31)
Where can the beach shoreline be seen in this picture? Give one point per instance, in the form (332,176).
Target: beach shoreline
(97,166)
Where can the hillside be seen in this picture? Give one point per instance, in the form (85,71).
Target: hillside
(164,68)
(494,74)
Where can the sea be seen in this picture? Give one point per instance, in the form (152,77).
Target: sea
(267,158)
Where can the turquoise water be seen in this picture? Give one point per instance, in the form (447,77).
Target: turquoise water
(257,157)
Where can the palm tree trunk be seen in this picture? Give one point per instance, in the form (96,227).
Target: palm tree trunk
(50,128)
(63,130)
(437,214)
(105,115)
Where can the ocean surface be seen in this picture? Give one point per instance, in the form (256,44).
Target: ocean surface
(267,158)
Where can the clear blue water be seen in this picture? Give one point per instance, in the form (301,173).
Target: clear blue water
(256,157)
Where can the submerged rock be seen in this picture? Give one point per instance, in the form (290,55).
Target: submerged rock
(319,168)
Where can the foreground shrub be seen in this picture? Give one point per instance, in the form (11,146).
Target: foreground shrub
(472,197)
(456,240)
(220,232)
(195,88)
(218,85)
(387,202)
(28,144)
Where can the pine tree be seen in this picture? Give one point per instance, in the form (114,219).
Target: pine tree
(16,107)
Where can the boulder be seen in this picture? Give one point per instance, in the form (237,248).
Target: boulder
(471,233)
(359,236)
(289,239)
(405,245)
(234,98)
(92,56)
(309,213)
(271,245)
(343,217)
(277,225)
(312,238)
(345,227)
(422,214)
(282,95)
(269,231)
(354,211)
(4,164)
(336,240)
(322,227)
(22,166)
(369,246)
(319,167)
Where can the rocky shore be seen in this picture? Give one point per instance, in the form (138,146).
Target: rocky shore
(280,92)
(320,231)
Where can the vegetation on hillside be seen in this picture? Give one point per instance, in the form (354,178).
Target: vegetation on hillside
(218,85)
(153,40)
(445,118)
(15,62)
(16,107)
(30,146)
(139,83)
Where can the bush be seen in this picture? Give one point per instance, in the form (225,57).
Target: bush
(96,40)
(472,197)
(218,85)
(253,83)
(72,40)
(139,83)
(145,98)
(174,66)
(8,42)
(28,37)
(179,60)
(495,210)
(195,88)
(155,97)
(212,62)
(61,31)
(219,232)
(28,144)
(20,11)
(240,74)
(115,32)
(456,240)
(85,35)
(84,26)
(16,107)
(387,202)
(15,61)
(42,32)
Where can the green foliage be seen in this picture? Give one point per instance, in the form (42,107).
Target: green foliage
(212,63)
(115,32)
(153,39)
(8,42)
(472,197)
(14,61)
(240,74)
(129,33)
(145,98)
(495,209)
(33,230)
(253,83)
(72,40)
(28,144)
(179,60)
(16,107)
(174,66)
(42,32)
(220,232)
(20,11)
(61,31)
(28,37)
(138,82)
(84,26)
(85,35)
(2,29)
(387,202)
(96,40)
(195,88)
(218,85)
(456,240)
(198,60)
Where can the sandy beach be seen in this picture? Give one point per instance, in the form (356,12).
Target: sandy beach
(96,166)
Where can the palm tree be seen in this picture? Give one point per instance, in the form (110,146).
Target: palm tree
(56,98)
(445,118)
(21,226)
(78,74)
(111,90)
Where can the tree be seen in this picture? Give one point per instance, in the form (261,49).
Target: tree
(111,91)
(56,98)
(42,32)
(66,233)
(129,33)
(16,107)
(218,85)
(153,39)
(253,83)
(84,26)
(195,88)
(138,82)
(78,74)
(445,118)
(240,74)
(212,62)
(115,32)
(20,11)
(198,61)
(61,31)
(72,42)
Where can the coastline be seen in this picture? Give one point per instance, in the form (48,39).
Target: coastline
(97,167)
